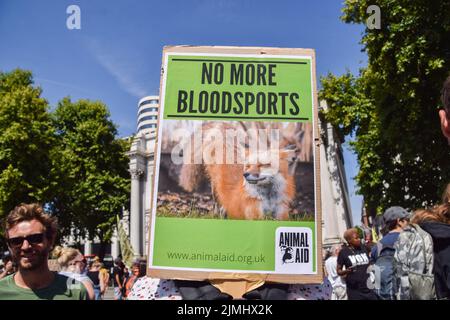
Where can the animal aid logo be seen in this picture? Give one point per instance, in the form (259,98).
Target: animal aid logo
(293,250)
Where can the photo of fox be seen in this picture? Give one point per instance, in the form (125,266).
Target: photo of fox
(255,190)
(243,170)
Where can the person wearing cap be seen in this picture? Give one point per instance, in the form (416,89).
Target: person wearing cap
(395,220)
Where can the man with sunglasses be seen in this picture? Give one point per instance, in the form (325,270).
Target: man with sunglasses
(30,234)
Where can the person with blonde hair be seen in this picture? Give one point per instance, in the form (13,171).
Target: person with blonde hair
(104,278)
(72,264)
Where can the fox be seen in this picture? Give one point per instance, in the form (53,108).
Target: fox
(255,189)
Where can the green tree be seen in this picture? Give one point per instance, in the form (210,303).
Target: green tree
(26,138)
(90,169)
(69,160)
(391,108)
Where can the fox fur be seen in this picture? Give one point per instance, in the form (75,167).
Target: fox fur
(247,190)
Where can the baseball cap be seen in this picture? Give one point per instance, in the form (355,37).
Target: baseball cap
(394,213)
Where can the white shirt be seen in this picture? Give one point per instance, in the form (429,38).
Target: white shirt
(333,277)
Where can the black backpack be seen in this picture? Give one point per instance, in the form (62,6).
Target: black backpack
(383,272)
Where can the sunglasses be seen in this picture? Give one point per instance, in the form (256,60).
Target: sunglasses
(36,238)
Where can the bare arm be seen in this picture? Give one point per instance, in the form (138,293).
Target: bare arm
(102,282)
(342,272)
(118,281)
(90,290)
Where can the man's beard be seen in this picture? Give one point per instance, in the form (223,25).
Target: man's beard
(31,259)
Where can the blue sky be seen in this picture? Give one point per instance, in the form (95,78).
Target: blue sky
(116,56)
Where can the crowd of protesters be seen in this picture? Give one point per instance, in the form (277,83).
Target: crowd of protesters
(31,233)
(410,261)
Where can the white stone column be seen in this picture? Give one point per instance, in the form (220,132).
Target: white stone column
(114,245)
(336,210)
(150,162)
(87,247)
(135,212)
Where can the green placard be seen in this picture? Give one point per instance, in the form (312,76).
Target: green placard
(200,224)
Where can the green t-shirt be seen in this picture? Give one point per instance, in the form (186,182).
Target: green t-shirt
(62,288)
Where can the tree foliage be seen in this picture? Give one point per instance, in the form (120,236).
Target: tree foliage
(90,168)
(69,160)
(391,107)
(26,138)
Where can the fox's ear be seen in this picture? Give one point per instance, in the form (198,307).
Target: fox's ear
(291,153)
(300,135)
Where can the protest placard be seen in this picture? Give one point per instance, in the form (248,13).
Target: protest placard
(237,190)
